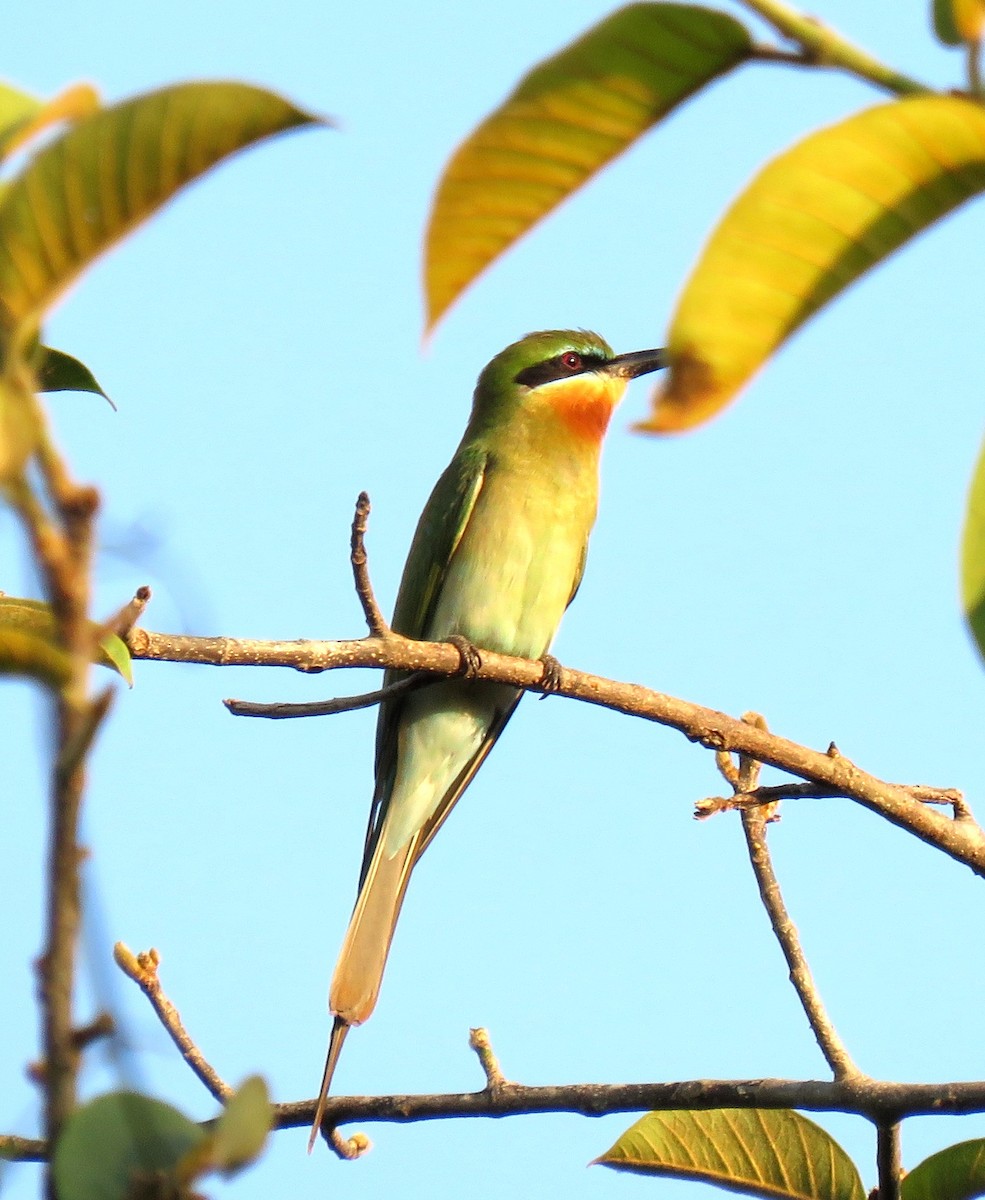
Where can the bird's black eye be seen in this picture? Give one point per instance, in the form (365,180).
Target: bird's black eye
(571,361)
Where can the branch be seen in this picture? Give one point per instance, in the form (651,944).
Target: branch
(961,838)
(890,1164)
(826,48)
(756,797)
(879,1101)
(754,823)
(378,626)
(142,969)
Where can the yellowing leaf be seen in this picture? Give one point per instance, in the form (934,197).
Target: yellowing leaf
(957,21)
(758,1152)
(973,557)
(809,224)
(86,189)
(18,428)
(569,117)
(957,1173)
(75,102)
(16,109)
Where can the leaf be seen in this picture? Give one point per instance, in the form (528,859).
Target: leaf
(809,224)
(957,1173)
(56,371)
(117,1138)
(569,117)
(957,21)
(973,557)
(30,654)
(83,191)
(31,116)
(18,428)
(241,1131)
(34,618)
(756,1151)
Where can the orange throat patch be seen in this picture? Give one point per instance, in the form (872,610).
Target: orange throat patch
(585,404)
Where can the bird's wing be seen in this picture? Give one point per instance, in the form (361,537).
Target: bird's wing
(579,574)
(438,535)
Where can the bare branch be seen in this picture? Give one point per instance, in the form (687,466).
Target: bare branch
(757,797)
(123,621)
(880,1101)
(963,839)
(326,708)
(377,623)
(889,1160)
(142,969)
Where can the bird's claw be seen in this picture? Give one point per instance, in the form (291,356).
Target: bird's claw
(470,659)
(550,680)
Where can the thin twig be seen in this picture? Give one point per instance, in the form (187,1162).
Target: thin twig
(142,969)
(123,621)
(834,1050)
(479,1042)
(756,797)
(889,1160)
(326,708)
(378,626)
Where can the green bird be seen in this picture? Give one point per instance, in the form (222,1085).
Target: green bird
(497,557)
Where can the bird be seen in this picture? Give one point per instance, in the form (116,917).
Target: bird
(497,557)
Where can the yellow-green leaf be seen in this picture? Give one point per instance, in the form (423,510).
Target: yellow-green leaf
(957,1173)
(973,557)
(31,654)
(33,618)
(83,191)
(758,1152)
(810,223)
(18,428)
(569,117)
(241,1131)
(16,110)
(75,102)
(957,21)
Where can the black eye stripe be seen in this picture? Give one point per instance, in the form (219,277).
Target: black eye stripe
(554,368)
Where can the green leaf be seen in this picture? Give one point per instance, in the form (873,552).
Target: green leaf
(758,1152)
(957,1173)
(28,117)
(809,224)
(569,117)
(57,371)
(30,654)
(117,1139)
(83,191)
(973,557)
(241,1131)
(34,618)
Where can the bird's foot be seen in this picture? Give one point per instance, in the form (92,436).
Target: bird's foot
(470,659)
(550,680)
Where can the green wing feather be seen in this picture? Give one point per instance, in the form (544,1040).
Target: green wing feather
(439,531)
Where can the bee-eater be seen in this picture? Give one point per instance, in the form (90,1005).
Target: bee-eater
(497,557)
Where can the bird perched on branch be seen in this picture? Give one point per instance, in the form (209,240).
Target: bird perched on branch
(497,557)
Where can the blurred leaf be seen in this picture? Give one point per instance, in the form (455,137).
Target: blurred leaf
(57,371)
(569,117)
(957,21)
(241,1131)
(809,224)
(16,110)
(34,617)
(18,429)
(957,1173)
(31,654)
(758,1152)
(116,1139)
(973,557)
(75,102)
(83,191)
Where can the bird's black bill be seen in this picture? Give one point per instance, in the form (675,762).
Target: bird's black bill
(639,362)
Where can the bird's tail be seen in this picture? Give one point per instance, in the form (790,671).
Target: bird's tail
(359,970)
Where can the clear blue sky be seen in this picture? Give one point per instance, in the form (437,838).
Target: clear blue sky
(262,339)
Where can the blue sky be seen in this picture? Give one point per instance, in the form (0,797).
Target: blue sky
(798,556)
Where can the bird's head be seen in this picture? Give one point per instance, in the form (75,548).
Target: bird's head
(565,374)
